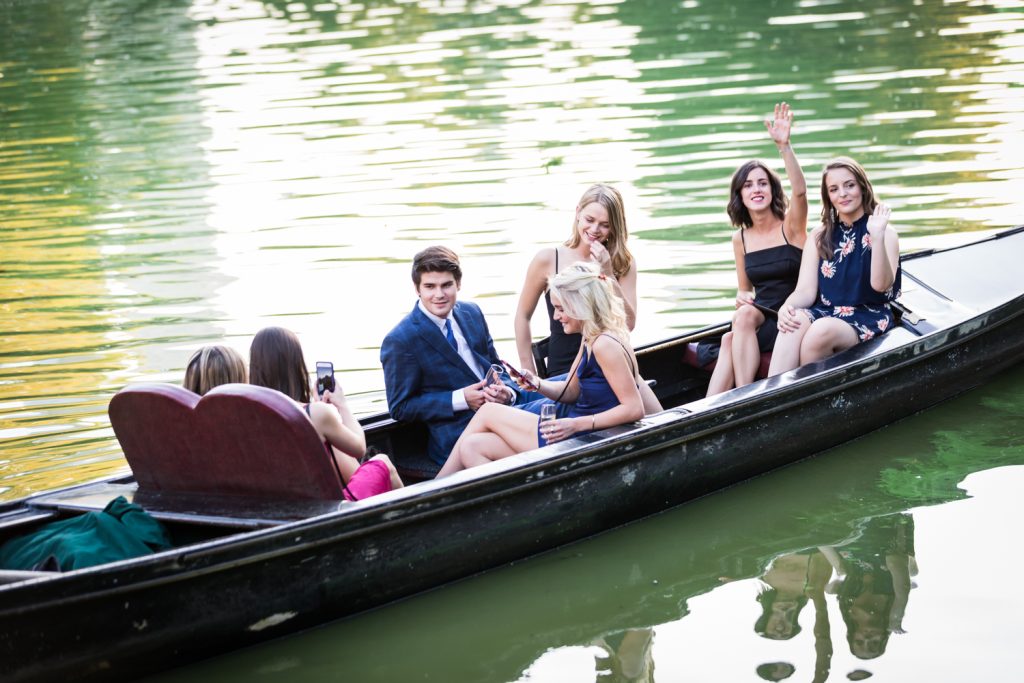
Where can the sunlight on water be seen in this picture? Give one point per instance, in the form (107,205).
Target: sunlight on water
(196,172)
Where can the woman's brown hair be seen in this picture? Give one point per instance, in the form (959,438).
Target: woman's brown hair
(276,362)
(738,214)
(829,215)
(211,366)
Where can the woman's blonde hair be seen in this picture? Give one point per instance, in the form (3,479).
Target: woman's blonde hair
(608,197)
(213,365)
(588,296)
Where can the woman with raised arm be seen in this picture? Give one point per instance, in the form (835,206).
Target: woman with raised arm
(276,362)
(601,391)
(598,235)
(768,245)
(847,278)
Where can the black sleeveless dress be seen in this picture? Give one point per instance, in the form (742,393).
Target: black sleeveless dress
(562,347)
(773,272)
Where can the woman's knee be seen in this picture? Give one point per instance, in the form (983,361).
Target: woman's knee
(726,343)
(825,337)
(747,319)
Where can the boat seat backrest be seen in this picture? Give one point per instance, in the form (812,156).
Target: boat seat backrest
(237,440)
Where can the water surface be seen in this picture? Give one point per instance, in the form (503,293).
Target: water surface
(177,173)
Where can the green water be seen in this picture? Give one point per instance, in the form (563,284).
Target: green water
(176,173)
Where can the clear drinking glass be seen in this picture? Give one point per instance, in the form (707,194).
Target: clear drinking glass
(548,413)
(493,375)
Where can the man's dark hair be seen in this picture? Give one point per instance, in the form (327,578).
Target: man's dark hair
(436,259)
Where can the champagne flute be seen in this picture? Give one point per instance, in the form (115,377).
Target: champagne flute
(548,414)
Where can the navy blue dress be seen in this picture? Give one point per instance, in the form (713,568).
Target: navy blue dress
(596,395)
(844,284)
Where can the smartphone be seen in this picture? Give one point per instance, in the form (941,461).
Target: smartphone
(324,377)
(518,376)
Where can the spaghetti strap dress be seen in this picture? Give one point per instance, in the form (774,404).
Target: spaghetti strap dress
(773,272)
(562,347)
(844,284)
(596,395)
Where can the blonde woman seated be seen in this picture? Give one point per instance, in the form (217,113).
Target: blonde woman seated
(211,366)
(600,391)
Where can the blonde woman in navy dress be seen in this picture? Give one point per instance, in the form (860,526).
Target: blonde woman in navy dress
(847,279)
(768,245)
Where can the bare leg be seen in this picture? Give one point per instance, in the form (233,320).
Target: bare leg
(746,354)
(484,448)
(347,465)
(721,377)
(786,355)
(827,336)
(517,428)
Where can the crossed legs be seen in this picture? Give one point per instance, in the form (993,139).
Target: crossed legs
(739,355)
(496,431)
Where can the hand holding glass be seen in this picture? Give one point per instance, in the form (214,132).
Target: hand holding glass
(548,414)
(493,375)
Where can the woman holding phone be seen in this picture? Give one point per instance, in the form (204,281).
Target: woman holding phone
(601,391)
(768,244)
(276,362)
(598,236)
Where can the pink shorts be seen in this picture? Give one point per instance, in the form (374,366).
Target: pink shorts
(371,478)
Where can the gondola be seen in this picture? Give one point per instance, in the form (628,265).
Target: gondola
(249,567)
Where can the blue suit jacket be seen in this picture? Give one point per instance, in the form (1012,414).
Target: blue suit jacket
(421,370)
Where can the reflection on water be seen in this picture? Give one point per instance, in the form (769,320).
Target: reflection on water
(808,570)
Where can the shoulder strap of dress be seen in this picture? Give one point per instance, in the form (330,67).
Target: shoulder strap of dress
(306,408)
(743,238)
(783,228)
(629,358)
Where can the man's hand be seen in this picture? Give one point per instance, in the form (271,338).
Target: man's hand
(475,395)
(499,393)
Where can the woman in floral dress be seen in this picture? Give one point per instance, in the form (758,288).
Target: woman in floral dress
(848,280)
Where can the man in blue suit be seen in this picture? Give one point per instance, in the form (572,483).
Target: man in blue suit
(435,359)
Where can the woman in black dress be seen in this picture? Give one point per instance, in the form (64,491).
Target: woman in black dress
(768,245)
(599,235)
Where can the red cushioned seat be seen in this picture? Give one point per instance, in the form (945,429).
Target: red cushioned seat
(237,439)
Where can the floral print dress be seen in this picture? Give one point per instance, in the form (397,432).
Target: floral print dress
(844,284)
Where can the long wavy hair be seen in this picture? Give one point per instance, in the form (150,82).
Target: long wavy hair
(738,214)
(211,366)
(608,197)
(589,297)
(829,214)
(276,362)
